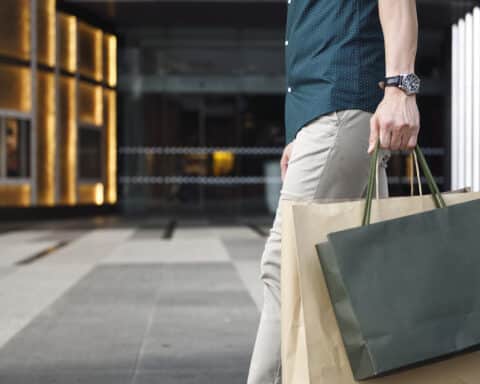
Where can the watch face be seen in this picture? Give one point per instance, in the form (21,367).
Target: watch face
(411,83)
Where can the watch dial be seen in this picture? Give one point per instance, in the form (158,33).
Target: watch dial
(411,83)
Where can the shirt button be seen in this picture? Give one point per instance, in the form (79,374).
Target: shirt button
(286,42)
(289,89)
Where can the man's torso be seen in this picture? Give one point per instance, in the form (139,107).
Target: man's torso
(334,56)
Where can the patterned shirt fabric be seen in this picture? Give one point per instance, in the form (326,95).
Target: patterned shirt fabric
(334,56)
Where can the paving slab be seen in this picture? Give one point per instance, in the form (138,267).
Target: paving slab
(197,327)
(206,231)
(111,307)
(23,236)
(213,376)
(169,251)
(13,253)
(90,248)
(4,271)
(246,257)
(98,325)
(56,377)
(32,288)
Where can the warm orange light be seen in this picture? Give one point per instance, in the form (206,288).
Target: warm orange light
(15,195)
(46,137)
(223,162)
(110,64)
(15,88)
(111,146)
(15,28)
(91,193)
(68,147)
(90,105)
(68,42)
(90,51)
(46,14)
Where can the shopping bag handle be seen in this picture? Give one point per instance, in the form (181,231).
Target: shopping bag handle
(435,191)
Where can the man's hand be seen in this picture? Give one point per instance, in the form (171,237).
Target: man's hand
(396,122)
(287,152)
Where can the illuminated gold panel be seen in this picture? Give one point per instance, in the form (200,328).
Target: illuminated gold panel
(67,42)
(90,194)
(110,59)
(15,195)
(69,138)
(46,139)
(90,48)
(90,104)
(15,28)
(15,89)
(110,147)
(46,32)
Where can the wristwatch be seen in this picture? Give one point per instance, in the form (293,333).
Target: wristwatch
(407,82)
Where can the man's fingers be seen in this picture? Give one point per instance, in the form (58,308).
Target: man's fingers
(412,141)
(405,139)
(385,136)
(397,137)
(372,142)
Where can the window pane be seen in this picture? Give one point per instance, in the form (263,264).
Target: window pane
(90,158)
(17,134)
(15,29)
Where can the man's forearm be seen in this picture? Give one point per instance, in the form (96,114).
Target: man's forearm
(400,30)
(396,121)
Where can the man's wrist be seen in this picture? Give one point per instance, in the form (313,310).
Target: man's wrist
(397,92)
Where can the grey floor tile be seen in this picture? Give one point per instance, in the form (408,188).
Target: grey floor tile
(215,376)
(205,338)
(168,323)
(149,234)
(200,328)
(98,325)
(55,377)
(251,249)
(169,251)
(179,279)
(63,235)
(4,271)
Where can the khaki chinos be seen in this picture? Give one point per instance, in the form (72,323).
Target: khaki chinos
(329,160)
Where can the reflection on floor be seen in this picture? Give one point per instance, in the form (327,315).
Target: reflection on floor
(121,302)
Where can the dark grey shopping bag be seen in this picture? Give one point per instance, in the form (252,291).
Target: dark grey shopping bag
(406,291)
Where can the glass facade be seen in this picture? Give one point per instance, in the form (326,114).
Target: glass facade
(54,143)
(200,108)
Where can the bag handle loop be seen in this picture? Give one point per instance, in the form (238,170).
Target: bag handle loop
(435,191)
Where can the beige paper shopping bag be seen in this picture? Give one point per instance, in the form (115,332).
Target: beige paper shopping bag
(312,347)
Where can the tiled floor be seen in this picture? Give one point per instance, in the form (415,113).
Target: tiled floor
(121,304)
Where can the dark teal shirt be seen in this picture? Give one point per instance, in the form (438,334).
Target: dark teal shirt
(334,55)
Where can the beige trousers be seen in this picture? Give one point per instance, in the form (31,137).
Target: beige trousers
(329,160)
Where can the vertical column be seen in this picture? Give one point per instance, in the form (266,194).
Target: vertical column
(58,138)
(476,99)
(34,97)
(468,89)
(454,124)
(461,104)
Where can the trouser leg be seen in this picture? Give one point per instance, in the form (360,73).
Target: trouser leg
(329,160)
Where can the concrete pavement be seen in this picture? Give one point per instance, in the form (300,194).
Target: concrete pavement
(87,302)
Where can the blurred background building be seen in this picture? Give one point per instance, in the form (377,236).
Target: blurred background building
(194,123)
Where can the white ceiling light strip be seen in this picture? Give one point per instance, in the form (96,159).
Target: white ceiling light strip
(465,139)
(476,99)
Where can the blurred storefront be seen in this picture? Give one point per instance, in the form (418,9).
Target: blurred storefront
(58,128)
(200,103)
